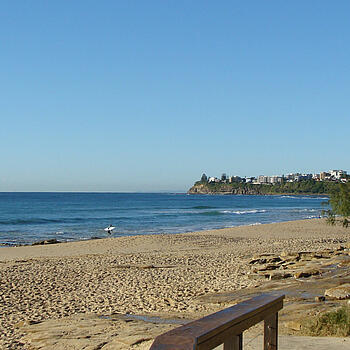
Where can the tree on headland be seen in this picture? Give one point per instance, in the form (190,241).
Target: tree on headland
(339,201)
(204,178)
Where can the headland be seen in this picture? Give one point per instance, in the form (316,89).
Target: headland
(308,188)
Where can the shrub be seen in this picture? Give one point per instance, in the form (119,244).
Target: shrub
(332,323)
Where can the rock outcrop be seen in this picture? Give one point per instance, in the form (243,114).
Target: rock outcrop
(203,188)
(340,292)
(301,265)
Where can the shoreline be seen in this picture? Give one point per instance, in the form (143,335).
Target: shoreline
(49,241)
(164,275)
(249,231)
(259,194)
(64,221)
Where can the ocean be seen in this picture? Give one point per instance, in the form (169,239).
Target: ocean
(30,217)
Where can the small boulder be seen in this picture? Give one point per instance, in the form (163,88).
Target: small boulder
(307,273)
(255,261)
(266,267)
(286,265)
(286,253)
(340,292)
(264,259)
(291,258)
(305,256)
(273,259)
(320,298)
(279,275)
(47,241)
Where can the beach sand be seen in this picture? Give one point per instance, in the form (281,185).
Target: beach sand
(144,275)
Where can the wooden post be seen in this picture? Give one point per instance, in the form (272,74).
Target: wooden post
(271,332)
(234,343)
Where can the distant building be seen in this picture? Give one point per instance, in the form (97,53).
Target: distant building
(337,174)
(262,179)
(324,176)
(292,177)
(332,175)
(316,177)
(275,179)
(234,179)
(302,177)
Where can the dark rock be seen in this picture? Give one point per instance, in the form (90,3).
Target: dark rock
(266,268)
(279,275)
(320,298)
(47,241)
(265,259)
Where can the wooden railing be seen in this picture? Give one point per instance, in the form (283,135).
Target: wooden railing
(226,327)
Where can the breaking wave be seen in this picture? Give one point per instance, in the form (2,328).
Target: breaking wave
(242,212)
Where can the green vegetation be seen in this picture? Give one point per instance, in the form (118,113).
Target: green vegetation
(302,187)
(308,187)
(334,323)
(340,204)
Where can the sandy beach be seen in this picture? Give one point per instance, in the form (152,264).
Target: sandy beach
(141,275)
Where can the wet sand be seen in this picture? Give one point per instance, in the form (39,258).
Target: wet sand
(155,274)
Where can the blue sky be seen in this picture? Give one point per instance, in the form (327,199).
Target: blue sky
(148,95)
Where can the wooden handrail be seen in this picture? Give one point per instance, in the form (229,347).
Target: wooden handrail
(226,327)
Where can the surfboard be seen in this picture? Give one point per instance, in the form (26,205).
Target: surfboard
(111,228)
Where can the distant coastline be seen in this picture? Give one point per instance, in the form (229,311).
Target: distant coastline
(289,184)
(303,188)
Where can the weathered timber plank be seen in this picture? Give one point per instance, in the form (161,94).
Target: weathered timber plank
(238,328)
(211,325)
(215,327)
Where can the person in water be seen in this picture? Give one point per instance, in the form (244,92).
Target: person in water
(109,229)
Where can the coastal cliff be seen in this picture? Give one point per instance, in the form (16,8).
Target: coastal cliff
(205,188)
(295,188)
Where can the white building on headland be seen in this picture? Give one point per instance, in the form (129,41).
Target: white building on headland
(262,179)
(337,174)
(332,175)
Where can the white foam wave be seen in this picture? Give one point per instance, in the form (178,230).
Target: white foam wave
(305,210)
(242,212)
(253,224)
(304,197)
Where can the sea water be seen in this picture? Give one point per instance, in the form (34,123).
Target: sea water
(30,217)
